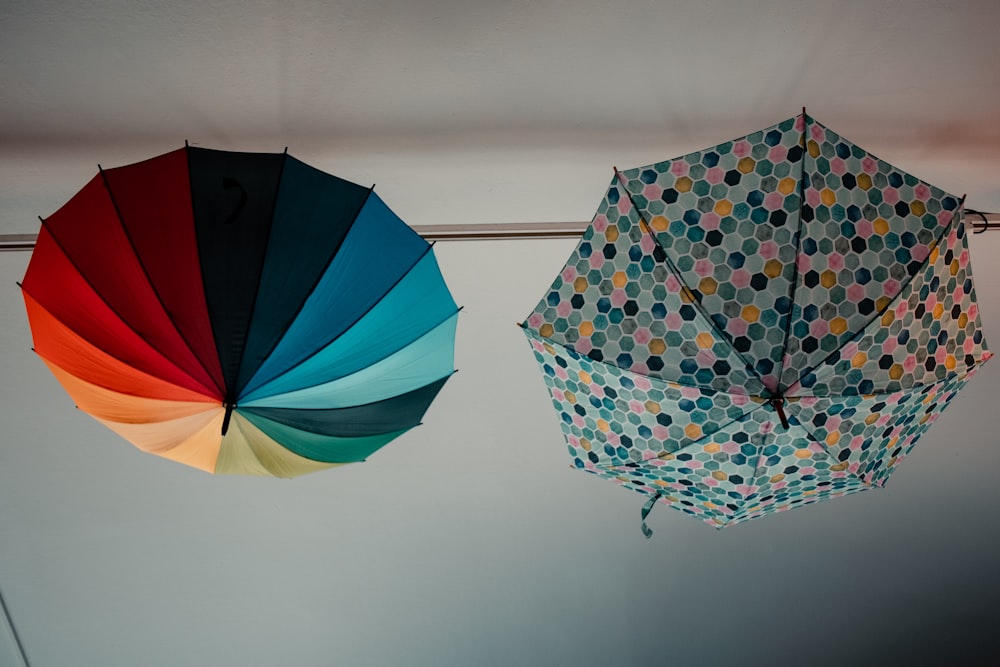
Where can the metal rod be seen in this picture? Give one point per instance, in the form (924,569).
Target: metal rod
(979,221)
(474,232)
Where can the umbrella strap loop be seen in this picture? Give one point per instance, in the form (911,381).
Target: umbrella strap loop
(646,509)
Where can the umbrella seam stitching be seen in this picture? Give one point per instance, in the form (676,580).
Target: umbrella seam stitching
(695,302)
(347,328)
(318,384)
(319,278)
(231,398)
(573,352)
(860,332)
(149,281)
(128,325)
(798,249)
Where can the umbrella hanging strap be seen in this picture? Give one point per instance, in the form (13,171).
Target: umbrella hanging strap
(646,509)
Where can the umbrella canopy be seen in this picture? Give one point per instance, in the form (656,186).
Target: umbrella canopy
(766,323)
(240,312)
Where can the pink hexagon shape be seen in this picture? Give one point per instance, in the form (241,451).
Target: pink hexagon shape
(679,168)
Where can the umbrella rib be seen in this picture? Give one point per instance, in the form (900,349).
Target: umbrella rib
(822,444)
(860,332)
(757,468)
(798,249)
(920,385)
(152,286)
(319,277)
(231,396)
(253,450)
(573,352)
(696,304)
(706,436)
(100,296)
(348,328)
(309,386)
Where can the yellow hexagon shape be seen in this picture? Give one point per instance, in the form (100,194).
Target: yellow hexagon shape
(683,184)
(586,328)
(708,285)
(723,207)
(750,313)
(838,325)
(828,196)
(619,279)
(692,431)
(659,223)
(917,207)
(787,185)
(746,165)
(864,181)
(881,226)
(828,278)
(772,268)
(704,340)
(580,284)
(657,346)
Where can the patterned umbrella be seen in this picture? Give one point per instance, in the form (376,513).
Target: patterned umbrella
(240,312)
(766,323)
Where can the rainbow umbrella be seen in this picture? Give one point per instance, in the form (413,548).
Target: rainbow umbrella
(759,325)
(240,312)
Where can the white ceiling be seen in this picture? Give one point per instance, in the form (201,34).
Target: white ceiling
(470,541)
(486,111)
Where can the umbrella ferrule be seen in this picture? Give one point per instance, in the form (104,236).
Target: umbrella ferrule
(778,404)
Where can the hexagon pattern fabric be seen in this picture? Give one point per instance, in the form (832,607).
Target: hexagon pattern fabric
(788,269)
